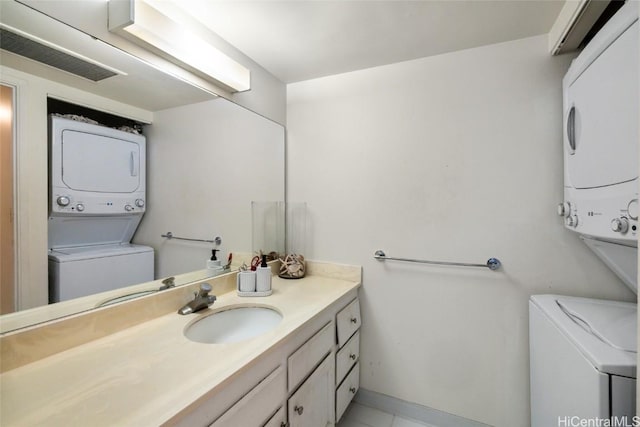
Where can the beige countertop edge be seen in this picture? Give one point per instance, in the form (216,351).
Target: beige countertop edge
(149,373)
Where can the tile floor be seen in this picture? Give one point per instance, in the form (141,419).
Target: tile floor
(358,415)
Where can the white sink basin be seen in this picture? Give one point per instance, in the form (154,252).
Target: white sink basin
(233,325)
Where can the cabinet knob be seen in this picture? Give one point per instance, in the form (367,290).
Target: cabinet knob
(298,409)
(352,356)
(283,424)
(352,390)
(354,320)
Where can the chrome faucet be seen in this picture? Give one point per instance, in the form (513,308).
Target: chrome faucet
(167,283)
(202,300)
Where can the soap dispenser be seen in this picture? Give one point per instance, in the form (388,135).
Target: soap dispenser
(263,279)
(214,263)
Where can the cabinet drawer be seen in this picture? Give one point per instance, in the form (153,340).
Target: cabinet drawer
(307,357)
(256,406)
(279,419)
(347,357)
(349,321)
(347,390)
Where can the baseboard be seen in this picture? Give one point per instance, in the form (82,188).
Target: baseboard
(414,411)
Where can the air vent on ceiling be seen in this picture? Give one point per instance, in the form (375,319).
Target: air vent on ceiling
(29,48)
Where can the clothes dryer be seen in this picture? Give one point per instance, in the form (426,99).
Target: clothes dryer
(601,108)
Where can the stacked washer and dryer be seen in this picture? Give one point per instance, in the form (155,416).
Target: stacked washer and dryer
(96,201)
(583,352)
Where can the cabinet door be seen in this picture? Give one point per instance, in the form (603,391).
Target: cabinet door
(312,405)
(254,408)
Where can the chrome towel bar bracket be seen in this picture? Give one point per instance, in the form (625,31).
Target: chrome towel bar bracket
(492,263)
(169,235)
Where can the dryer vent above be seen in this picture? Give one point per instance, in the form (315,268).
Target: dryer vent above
(48,55)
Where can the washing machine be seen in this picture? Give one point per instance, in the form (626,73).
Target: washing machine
(97,188)
(82,271)
(582,360)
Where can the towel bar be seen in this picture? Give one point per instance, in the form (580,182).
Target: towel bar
(169,235)
(491,264)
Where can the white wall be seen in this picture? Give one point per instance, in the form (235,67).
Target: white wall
(207,163)
(455,157)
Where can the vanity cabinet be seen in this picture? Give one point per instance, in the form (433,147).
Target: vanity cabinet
(347,371)
(308,380)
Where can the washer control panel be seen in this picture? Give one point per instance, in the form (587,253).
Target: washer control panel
(82,204)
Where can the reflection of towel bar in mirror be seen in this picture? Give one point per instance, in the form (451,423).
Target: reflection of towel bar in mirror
(492,263)
(216,240)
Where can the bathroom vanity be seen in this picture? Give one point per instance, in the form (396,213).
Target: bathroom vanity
(302,372)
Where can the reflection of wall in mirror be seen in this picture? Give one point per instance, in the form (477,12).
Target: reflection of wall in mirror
(209,161)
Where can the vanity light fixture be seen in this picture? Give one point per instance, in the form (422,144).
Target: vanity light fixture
(145,25)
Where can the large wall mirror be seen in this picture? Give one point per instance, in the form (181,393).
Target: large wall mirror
(208,159)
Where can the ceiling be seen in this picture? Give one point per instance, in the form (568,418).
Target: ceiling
(299,40)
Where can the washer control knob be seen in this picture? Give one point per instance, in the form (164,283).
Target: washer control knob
(128,208)
(632,209)
(620,225)
(140,203)
(80,207)
(63,201)
(571,221)
(564,209)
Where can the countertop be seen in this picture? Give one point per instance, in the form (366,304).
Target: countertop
(148,373)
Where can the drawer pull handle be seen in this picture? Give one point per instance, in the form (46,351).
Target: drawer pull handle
(299,409)
(283,424)
(354,320)
(352,390)
(352,356)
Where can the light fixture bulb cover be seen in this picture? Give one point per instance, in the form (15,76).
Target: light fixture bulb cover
(145,25)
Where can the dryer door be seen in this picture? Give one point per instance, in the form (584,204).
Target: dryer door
(601,129)
(99,163)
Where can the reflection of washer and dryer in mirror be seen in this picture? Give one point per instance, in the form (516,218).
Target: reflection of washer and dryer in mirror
(583,352)
(97,199)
